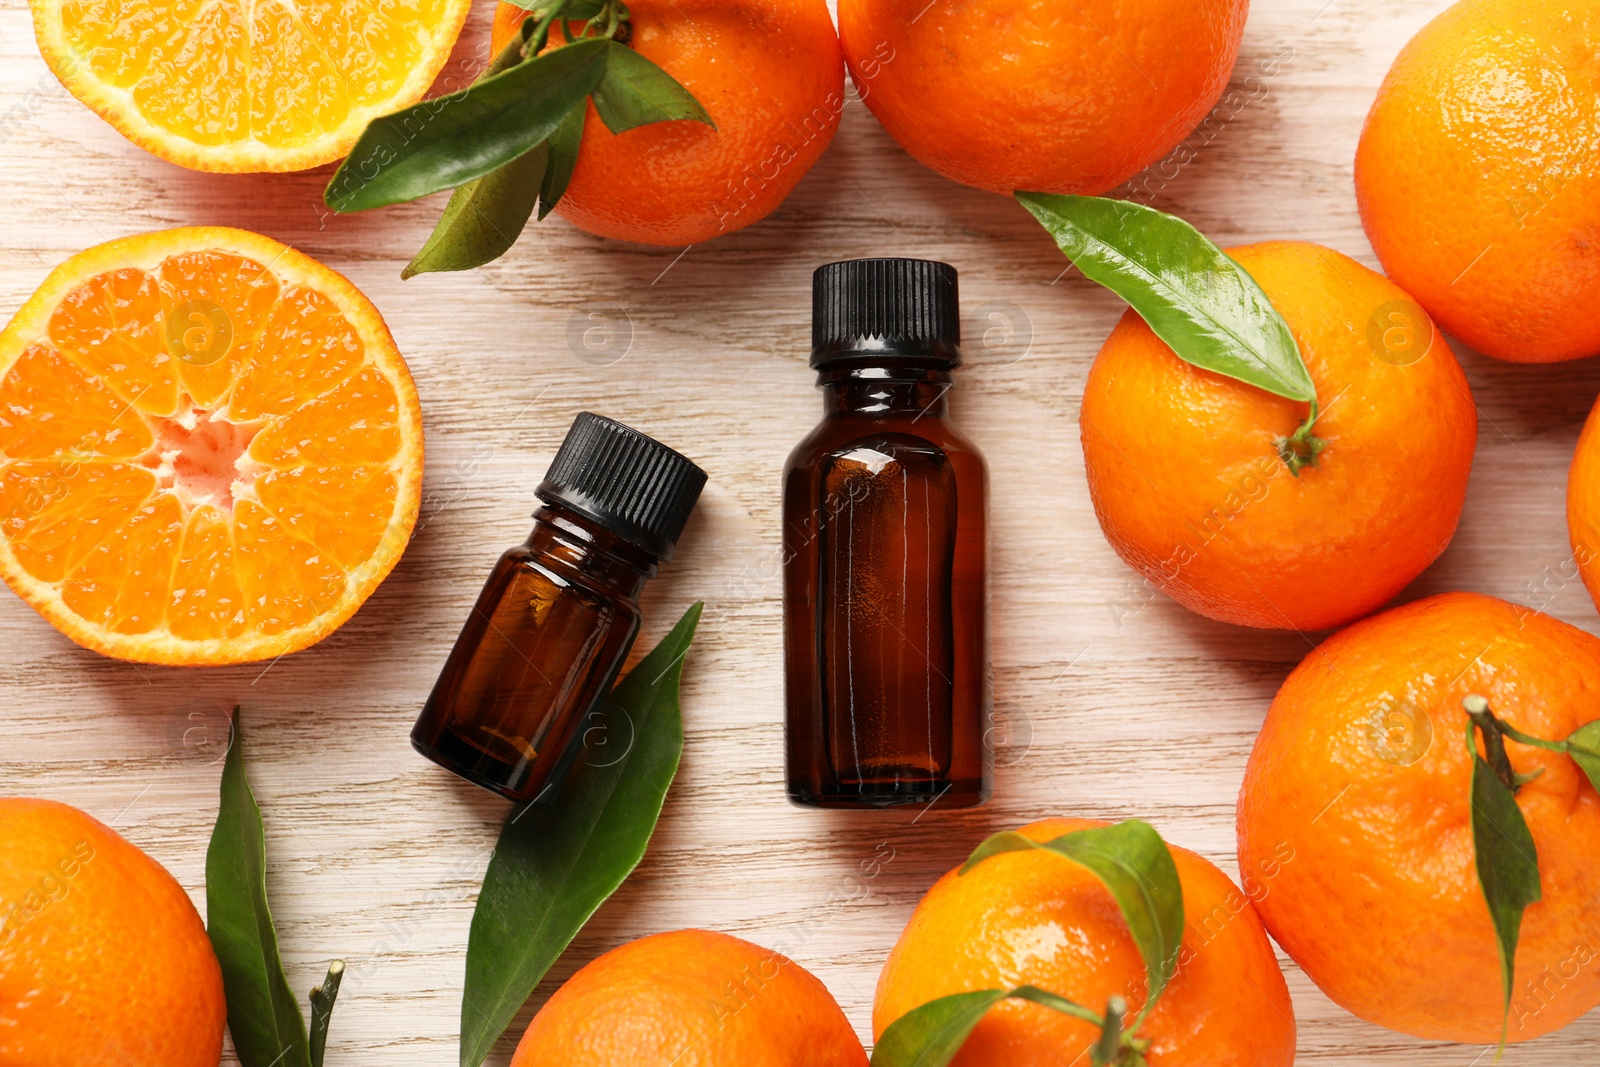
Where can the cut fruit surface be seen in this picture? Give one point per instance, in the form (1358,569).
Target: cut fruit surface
(210,448)
(267,85)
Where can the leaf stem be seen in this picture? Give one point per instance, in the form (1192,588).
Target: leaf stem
(1106,1050)
(1528,739)
(322,998)
(541,31)
(1494,730)
(1301,448)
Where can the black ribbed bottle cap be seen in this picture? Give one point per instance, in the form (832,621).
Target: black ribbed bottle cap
(864,309)
(633,485)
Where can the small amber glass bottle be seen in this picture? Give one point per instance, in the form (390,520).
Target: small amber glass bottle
(885,595)
(560,611)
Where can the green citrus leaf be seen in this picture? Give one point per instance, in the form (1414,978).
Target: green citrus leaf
(449,141)
(484,217)
(572,9)
(563,145)
(1205,306)
(1135,864)
(1507,862)
(263,1013)
(1584,747)
(556,862)
(635,92)
(930,1035)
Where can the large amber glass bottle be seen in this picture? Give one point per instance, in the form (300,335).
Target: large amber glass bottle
(885,594)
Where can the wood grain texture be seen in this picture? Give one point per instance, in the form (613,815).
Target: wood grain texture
(1112,701)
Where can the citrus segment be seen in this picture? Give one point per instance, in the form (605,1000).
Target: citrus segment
(307,349)
(216,458)
(124,582)
(57,511)
(198,282)
(286,581)
(113,324)
(228,86)
(357,423)
(33,425)
(187,88)
(337,509)
(205,602)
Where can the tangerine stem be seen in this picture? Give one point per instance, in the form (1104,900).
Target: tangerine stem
(1301,448)
(1493,731)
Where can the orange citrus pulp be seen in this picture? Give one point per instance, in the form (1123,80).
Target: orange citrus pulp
(210,449)
(225,85)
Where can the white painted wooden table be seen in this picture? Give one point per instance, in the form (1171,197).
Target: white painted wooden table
(1111,703)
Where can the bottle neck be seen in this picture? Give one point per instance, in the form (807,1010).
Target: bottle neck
(575,543)
(885,390)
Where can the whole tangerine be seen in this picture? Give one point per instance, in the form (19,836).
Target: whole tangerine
(769,73)
(1190,486)
(1362,770)
(1478,176)
(691,998)
(1053,96)
(1040,919)
(103,960)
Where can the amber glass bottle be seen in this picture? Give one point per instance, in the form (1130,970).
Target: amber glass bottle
(885,595)
(560,611)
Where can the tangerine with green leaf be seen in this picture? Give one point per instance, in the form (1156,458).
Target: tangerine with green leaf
(691,998)
(103,960)
(1190,477)
(1057,96)
(1362,769)
(1034,918)
(771,76)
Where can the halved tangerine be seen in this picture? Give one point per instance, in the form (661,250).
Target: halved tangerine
(246,85)
(210,448)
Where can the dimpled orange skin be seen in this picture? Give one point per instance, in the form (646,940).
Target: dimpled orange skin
(770,75)
(1478,176)
(103,960)
(1188,486)
(1059,96)
(1583,504)
(1036,918)
(1362,768)
(691,998)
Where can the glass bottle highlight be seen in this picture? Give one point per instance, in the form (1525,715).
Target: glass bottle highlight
(559,613)
(885,562)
